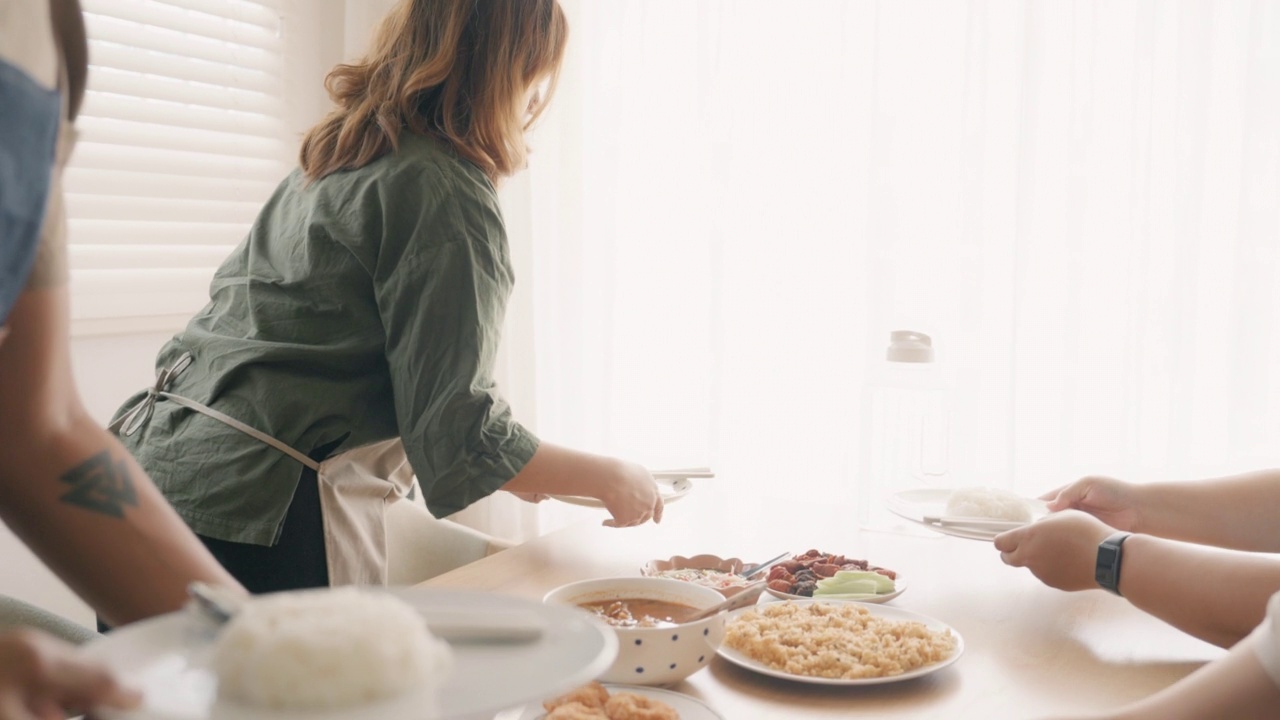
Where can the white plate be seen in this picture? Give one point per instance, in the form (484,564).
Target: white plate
(671,489)
(883,611)
(899,587)
(167,658)
(915,505)
(689,708)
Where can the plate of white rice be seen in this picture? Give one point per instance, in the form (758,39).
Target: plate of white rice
(344,653)
(970,502)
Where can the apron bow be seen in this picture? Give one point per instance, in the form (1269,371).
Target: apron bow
(140,413)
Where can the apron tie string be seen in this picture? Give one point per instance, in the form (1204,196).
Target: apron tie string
(139,414)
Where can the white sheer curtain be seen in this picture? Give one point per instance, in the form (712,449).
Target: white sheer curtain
(734,201)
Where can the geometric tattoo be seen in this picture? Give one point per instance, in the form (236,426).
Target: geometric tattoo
(100,485)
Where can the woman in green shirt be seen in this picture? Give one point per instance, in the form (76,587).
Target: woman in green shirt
(356,325)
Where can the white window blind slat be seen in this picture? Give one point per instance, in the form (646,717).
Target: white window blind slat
(91,181)
(153,209)
(130,34)
(182,137)
(121,107)
(118,233)
(264,13)
(123,132)
(111,56)
(119,294)
(138,87)
(164,161)
(189,22)
(144,257)
(142,280)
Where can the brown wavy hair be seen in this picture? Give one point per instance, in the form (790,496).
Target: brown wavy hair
(457,70)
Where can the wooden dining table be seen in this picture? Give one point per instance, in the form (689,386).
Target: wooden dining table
(1029,651)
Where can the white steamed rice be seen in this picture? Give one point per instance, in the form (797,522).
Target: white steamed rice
(986,502)
(326,649)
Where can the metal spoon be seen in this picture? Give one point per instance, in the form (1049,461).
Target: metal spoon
(748,596)
(748,572)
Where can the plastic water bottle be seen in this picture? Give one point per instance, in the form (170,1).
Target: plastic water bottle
(906,426)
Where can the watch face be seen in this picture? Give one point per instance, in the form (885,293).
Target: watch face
(1107,570)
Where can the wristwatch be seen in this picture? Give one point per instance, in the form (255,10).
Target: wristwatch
(1107,569)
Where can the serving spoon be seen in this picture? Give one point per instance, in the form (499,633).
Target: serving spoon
(756,570)
(748,596)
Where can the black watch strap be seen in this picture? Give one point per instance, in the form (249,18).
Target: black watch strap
(1107,569)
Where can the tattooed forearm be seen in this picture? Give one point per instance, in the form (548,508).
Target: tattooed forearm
(101,484)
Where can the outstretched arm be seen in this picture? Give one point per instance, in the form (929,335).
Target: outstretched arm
(1216,595)
(1230,512)
(626,489)
(72,493)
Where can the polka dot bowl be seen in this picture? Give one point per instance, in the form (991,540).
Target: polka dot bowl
(653,655)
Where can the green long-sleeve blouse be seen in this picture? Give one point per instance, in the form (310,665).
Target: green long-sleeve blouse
(362,306)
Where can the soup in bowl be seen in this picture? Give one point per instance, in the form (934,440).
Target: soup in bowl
(656,643)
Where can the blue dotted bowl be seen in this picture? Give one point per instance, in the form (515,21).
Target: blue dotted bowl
(652,656)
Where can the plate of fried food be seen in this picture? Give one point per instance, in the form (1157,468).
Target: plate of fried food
(621,702)
(816,574)
(838,643)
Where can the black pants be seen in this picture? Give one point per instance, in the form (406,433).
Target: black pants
(296,562)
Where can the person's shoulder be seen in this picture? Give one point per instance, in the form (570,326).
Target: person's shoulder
(427,165)
(420,169)
(419,196)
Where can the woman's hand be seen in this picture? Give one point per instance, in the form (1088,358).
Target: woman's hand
(1061,549)
(1114,502)
(625,488)
(631,496)
(42,678)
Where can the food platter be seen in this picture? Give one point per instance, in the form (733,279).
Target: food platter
(916,505)
(168,659)
(899,587)
(670,488)
(879,611)
(816,570)
(713,571)
(690,708)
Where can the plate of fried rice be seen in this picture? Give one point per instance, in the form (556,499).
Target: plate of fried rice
(838,643)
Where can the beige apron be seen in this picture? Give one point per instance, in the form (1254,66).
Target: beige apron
(355,486)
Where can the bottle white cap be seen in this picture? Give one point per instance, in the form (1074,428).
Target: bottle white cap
(909,346)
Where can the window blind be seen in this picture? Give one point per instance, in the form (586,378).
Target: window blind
(182,136)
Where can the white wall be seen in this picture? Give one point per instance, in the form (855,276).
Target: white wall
(108,370)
